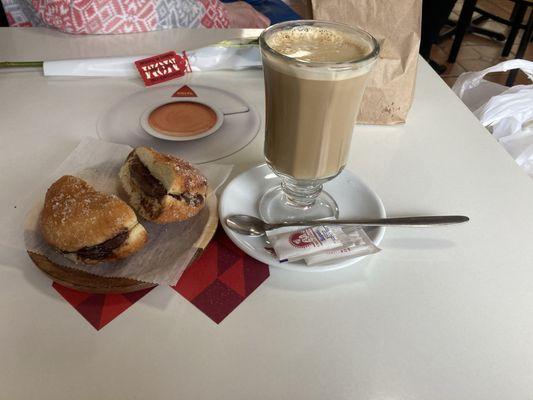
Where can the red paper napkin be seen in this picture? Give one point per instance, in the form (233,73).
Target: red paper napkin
(216,284)
(99,309)
(221,278)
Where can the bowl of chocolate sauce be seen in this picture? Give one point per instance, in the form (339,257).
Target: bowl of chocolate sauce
(182,120)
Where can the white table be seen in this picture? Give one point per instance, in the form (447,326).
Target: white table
(441,313)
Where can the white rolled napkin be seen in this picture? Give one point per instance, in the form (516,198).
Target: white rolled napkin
(222,56)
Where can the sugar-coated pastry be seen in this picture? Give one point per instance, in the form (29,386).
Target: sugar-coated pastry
(88,226)
(162,188)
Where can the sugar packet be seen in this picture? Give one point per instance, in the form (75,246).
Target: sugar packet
(361,245)
(295,245)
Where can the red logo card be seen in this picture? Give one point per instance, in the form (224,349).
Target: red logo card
(184,91)
(161,68)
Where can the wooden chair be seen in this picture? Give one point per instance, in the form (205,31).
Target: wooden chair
(515,22)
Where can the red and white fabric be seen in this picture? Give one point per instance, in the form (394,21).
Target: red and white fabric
(115,16)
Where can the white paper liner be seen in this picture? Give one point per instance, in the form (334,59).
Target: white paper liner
(170,247)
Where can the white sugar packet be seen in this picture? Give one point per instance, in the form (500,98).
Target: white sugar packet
(361,245)
(170,247)
(295,245)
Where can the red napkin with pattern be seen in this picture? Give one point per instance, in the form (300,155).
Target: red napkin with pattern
(221,278)
(99,309)
(216,283)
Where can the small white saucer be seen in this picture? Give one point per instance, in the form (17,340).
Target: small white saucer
(242,195)
(161,135)
(120,123)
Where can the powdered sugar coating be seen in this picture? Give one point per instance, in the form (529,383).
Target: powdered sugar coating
(317,44)
(177,177)
(191,176)
(185,177)
(75,215)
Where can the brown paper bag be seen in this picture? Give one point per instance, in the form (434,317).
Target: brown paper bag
(396,26)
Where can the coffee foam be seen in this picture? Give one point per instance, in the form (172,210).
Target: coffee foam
(318,45)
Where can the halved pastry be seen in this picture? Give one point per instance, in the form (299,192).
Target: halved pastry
(162,188)
(88,226)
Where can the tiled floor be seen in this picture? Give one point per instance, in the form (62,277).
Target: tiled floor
(477,52)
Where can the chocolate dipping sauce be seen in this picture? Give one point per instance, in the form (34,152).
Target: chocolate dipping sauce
(182,119)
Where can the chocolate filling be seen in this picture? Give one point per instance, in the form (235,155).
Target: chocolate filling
(189,198)
(146,181)
(151,206)
(151,186)
(103,250)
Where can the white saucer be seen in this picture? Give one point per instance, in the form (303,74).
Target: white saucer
(242,195)
(120,123)
(161,135)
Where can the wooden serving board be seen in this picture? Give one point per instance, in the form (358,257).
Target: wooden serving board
(85,282)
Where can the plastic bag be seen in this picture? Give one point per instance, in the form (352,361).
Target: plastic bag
(506,112)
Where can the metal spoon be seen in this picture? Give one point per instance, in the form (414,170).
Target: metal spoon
(252,226)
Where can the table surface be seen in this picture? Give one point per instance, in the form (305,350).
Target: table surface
(441,313)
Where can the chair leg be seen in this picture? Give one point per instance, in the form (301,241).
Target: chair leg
(462,25)
(487,32)
(480,20)
(526,37)
(516,20)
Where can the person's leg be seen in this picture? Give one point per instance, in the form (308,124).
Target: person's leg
(434,15)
